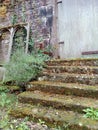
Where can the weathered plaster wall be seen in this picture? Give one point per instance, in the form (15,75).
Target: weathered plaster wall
(78,27)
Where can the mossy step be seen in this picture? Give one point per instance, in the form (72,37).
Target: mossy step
(64,88)
(72,69)
(76,62)
(54,117)
(89,79)
(58,101)
(13,88)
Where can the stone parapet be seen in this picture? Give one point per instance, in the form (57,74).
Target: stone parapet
(2,73)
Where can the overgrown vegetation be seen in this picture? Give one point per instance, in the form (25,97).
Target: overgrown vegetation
(23,67)
(7,123)
(13,19)
(3,89)
(7,102)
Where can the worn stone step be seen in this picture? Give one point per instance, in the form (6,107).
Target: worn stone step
(64,88)
(72,69)
(74,62)
(58,101)
(89,79)
(54,117)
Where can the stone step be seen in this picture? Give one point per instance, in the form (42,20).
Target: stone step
(58,101)
(89,79)
(72,69)
(64,88)
(54,117)
(74,62)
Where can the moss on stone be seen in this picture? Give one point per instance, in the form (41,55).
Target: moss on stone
(64,88)
(58,101)
(13,88)
(53,116)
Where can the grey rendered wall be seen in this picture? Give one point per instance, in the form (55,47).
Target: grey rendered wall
(78,27)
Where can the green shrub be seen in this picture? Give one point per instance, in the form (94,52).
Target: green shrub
(91,113)
(3,89)
(23,67)
(5,101)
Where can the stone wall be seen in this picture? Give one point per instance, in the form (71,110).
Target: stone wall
(4,45)
(38,12)
(2,73)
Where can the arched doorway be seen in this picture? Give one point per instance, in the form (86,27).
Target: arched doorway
(19,39)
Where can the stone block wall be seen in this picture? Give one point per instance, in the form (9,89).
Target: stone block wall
(40,14)
(2,73)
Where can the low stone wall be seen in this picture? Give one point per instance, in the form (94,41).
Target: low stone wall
(2,73)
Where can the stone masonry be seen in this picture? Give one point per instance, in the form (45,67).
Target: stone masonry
(39,13)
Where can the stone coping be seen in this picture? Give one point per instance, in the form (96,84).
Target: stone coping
(19,24)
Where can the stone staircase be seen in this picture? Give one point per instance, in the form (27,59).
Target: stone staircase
(65,88)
